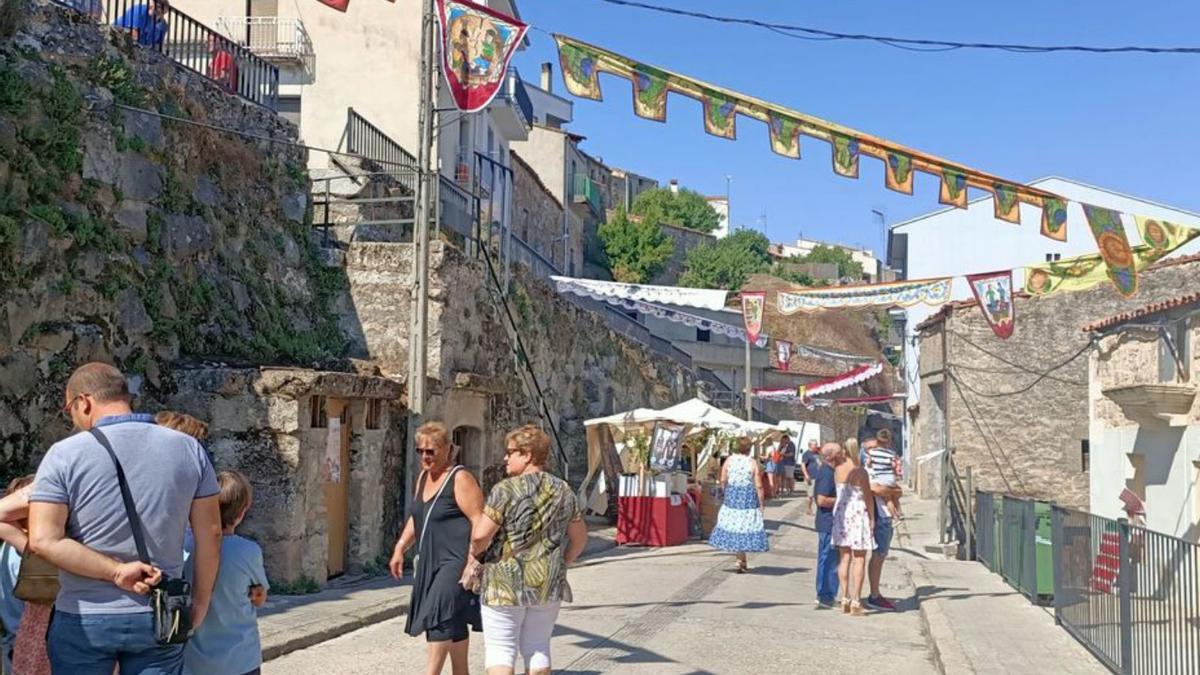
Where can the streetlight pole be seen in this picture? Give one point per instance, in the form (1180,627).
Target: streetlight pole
(426,186)
(728,205)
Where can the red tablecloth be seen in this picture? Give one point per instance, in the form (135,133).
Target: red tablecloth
(652,521)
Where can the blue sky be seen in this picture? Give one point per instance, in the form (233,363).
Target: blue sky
(1123,122)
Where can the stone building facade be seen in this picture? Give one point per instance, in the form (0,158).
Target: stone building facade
(537,214)
(1145,414)
(684,240)
(1017,409)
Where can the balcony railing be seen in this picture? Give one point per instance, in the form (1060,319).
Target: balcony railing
(279,39)
(366,140)
(585,191)
(514,90)
(190,44)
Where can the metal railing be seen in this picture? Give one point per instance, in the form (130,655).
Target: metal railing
(366,140)
(1128,594)
(271,37)
(189,44)
(382,200)
(584,190)
(514,90)
(1012,538)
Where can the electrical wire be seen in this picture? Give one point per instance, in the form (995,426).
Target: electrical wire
(1029,386)
(1014,364)
(908,44)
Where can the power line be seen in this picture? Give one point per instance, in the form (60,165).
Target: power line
(1003,360)
(909,44)
(1031,385)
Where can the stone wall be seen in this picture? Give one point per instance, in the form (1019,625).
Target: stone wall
(1018,408)
(537,214)
(129,238)
(584,368)
(260,424)
(684,240)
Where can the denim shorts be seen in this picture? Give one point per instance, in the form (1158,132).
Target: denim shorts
(883,536)
(90,644)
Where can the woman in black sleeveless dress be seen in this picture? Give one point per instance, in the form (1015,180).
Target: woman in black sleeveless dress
(446,504)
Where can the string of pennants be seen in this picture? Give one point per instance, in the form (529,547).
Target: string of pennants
(993,291)
(582,64)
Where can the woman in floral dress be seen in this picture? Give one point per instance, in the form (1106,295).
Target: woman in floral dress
(853,527)
(739,526)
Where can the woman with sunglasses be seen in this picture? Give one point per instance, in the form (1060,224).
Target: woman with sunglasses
(446,504)
(532,529)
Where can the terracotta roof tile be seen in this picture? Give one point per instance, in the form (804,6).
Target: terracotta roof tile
(1148,310)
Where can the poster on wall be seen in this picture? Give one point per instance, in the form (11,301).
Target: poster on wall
(331,468)
(666,445)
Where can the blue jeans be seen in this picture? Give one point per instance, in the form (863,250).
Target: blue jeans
(827,567)
(91,644)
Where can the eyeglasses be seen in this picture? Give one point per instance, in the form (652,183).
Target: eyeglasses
(509,452)
(426,452)
(66,409)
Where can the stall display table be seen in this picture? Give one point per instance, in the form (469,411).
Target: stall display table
(652,521)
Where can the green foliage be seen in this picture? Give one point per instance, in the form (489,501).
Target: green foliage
(14,91)
(636,250)
(302,585)
(686,209)
(794,276)
(727,263)
(115,75)
(839,256)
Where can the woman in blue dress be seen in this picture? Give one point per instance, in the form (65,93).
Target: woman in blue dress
(739,526)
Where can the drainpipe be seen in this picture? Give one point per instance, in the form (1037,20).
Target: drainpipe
(566,227)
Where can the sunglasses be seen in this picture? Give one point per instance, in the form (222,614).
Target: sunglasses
(426,452)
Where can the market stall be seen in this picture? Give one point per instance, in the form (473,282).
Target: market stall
(653,464)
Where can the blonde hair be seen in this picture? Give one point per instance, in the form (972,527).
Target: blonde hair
(436,432)
(851,450)
(234,497)
(182,423)
(532,440)
(884,436)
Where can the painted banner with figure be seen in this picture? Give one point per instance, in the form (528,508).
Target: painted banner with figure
(783,352)
(753,305)
(932,292)
(582,64)
(1160,238)
(1114,247)
(477,44)
(994,293)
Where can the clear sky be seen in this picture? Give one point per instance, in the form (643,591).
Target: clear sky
(1124,122)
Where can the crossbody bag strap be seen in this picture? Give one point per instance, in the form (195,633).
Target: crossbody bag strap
(429,509)
(135,523)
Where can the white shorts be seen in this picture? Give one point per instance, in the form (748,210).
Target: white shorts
(887,480)
(507,630)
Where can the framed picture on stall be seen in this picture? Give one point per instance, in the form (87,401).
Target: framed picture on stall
(666,446)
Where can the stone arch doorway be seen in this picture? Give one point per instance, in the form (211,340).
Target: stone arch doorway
(469,442)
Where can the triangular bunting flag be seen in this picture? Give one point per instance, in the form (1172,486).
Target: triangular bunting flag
(477,43)
(752,312)
(994,293)
(1114,247)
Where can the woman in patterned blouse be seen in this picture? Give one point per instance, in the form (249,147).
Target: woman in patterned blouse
(532,530)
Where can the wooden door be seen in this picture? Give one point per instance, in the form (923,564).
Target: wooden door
(336,475)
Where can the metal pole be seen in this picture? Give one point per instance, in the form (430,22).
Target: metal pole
(426,158)
(1125,602)
(749,389)
(970,515)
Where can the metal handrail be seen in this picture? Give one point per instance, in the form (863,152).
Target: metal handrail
(585,187)
(515,91)
(367,140)
(190,44)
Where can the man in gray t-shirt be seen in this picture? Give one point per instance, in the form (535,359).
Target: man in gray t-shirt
(78,522)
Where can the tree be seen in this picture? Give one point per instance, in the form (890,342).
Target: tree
(727,263)
(847,267)
(686,209)
(636,250)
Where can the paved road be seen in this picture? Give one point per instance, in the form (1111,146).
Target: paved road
(681,610)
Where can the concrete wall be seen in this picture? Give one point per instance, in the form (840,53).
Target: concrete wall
(1029,442)
(1158,461)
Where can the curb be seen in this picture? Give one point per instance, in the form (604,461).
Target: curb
(381,611)
(947,654)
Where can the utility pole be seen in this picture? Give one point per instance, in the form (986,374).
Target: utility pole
(426,188)
(728,205)
(749,390)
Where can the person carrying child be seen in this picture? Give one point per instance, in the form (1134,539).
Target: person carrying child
(883,466)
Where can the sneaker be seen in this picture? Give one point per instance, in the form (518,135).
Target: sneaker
(823,604)
(880,603)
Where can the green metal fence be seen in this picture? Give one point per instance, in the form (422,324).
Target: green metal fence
(1013,538)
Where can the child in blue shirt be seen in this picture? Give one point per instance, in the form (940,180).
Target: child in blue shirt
(228,642)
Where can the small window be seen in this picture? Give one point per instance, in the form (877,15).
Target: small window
(374,413)
(1085,455)
(1053,257)
(317,417)
(288,108)
(703,335)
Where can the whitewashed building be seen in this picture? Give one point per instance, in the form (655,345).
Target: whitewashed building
(954,242)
